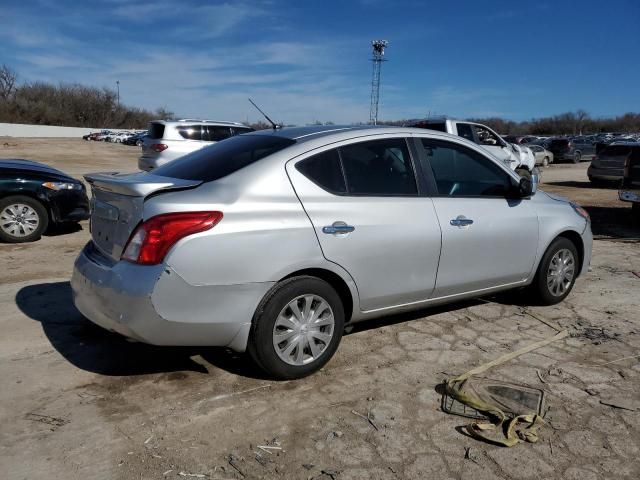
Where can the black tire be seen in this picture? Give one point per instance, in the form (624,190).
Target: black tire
(261,343)
(577,157)
(138,143)
(545,162)
(539,289)
(40,212)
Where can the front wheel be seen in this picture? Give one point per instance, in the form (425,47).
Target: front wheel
(22,219)
(545,162)
(297,328)
(556,273)
(577,157)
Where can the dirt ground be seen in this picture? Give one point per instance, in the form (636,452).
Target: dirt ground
(78,402)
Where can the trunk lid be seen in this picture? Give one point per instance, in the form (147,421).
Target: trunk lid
(117,204)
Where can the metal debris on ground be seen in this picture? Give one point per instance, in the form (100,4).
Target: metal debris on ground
(194,475)
(233,461)
(55,422)
(506,429)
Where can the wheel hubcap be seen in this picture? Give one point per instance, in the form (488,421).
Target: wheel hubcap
(561,272)
(19,220)
(303,330)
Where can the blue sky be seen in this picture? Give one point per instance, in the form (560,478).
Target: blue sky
(304,61)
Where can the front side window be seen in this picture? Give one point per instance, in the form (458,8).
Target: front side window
(461,172)
(379,167)
(486,136)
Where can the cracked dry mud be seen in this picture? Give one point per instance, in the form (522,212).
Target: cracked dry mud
(78,402)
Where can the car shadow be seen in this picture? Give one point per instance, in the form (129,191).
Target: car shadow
(606,185)
(615,222)
(66,228)
(97,350)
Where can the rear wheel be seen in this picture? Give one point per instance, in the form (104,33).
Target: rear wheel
(577,156)
(545,162)
(22,219)
(297,328)
(556,273)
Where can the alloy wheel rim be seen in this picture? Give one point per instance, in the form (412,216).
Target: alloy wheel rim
(303,330)
(561,272)
(19,220)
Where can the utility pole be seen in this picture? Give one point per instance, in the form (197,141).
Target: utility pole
(378,58)
(118,85)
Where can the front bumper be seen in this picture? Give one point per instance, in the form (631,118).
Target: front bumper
(153,304)
(68,205)
(587,243)
(629,195)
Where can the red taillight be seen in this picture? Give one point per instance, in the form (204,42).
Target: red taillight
(159,147)
(152,239)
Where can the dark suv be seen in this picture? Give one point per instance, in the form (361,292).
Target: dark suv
(630,189)
(575,150)
(609,163)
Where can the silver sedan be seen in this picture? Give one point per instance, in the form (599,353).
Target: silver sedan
(272,242)
(543,156)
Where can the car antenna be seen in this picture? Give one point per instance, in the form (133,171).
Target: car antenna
(273,124)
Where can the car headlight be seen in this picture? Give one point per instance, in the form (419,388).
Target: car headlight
(580,211)
(62,186)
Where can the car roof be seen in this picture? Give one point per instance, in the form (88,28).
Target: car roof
(199,120)
(308,133)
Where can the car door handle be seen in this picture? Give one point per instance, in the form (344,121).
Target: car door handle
(338,228)
(461,221)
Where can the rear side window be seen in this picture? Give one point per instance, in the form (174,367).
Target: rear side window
(221,159)
(379,167)
(464,130)
(438,126)
(156,131)
(325,171)
(239,130)
(190,132)
(211,133)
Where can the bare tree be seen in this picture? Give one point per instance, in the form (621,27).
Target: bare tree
(7,82)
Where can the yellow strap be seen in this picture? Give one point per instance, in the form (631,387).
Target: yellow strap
(502,431)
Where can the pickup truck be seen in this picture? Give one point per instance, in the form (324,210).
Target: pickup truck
(519,157)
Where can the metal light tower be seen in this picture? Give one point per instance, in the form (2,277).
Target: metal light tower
(378,58)
(118,84)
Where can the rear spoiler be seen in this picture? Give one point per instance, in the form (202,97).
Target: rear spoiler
(139,184)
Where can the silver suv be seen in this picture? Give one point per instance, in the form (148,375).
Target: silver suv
(171,139)
(272,241)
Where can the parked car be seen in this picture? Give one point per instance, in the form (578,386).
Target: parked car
(608,165)
(630,188)
(34,196)
(519,158)
(574,150)
(136,139)
(102,136)
(90,136)
(272,241)
(120,137)
(168,140)
(543,156)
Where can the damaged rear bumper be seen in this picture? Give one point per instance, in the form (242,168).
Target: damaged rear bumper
(153,304)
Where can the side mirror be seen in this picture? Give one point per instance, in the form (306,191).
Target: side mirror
(525,187)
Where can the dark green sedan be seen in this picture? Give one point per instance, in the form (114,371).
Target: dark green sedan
(34,196)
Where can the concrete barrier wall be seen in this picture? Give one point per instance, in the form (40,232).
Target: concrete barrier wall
(20,130)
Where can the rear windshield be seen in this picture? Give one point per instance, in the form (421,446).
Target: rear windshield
(156,131)
(223,158)
(616,151)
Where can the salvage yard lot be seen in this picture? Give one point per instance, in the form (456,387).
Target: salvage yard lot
(79,402)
